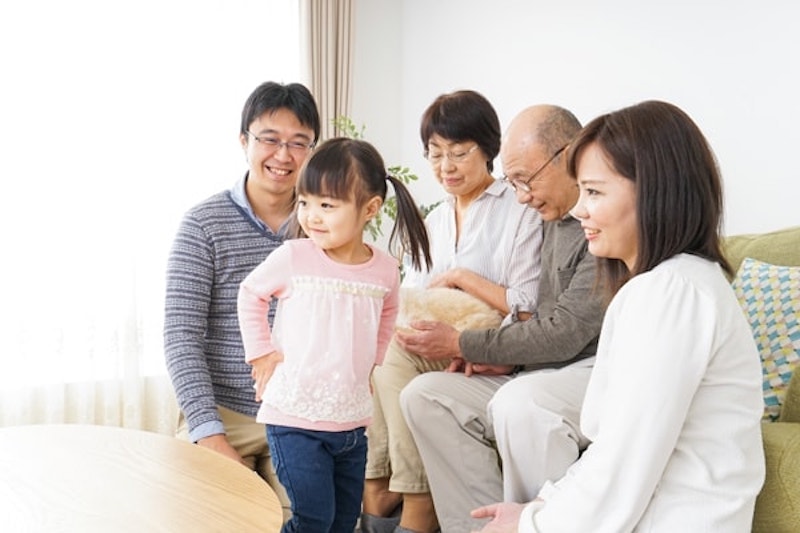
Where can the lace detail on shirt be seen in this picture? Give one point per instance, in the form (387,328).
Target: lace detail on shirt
(317,284)
(326,400)
(325,372)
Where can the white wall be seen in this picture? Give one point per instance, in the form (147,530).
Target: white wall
(734,66)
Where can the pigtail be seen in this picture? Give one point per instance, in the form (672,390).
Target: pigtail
(409,227)
(293,228)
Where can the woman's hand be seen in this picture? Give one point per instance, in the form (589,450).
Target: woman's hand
(453,278)
(481,288)
(262,371)
(505,517)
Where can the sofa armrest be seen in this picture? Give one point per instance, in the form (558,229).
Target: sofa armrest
(790,410)
(778,504)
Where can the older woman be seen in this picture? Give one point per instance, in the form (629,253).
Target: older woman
(482,242)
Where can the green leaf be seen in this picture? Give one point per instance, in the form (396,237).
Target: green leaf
(345,127)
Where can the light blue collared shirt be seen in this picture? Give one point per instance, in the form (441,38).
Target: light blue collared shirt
(239,197)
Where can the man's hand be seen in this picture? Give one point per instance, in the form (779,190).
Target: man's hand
(220,444)
(505,517)
(262,370)
(434,341)
(460,365)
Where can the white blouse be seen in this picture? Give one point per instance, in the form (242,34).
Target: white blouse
(500,240)
(673,409)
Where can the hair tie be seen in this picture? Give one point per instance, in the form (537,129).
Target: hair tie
(387,177)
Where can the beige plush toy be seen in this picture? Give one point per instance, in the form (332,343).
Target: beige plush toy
(451,306)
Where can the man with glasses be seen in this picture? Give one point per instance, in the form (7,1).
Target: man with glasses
(535,371)
(218,243)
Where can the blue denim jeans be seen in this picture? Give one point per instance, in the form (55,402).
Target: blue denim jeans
(323,474)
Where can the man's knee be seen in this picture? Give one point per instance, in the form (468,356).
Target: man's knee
(526,399)
(414,396)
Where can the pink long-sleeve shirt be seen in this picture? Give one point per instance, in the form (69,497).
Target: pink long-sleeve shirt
(332,324)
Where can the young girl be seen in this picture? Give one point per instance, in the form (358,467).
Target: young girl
(337,303)
(674,403)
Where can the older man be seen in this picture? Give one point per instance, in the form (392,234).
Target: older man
(535,371)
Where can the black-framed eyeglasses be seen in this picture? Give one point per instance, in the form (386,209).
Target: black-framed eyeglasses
(525,185)
(454,157)
(295,147)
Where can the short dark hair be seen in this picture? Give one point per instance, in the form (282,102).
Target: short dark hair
(679,197)
(463,116)
(271,96)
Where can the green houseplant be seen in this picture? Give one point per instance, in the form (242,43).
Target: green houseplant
(345,127)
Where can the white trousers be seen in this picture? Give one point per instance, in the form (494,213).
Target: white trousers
(536,421)
(451,417)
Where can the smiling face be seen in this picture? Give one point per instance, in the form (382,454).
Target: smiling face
(467,176)
(606,208)
(274,169)
(336,225)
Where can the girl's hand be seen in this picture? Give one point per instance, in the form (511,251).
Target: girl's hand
(505,517)
(262,371)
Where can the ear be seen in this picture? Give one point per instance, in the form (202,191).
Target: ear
(372,207)
(243,140)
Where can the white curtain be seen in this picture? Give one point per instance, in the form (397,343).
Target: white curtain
(116,118)
(327,32)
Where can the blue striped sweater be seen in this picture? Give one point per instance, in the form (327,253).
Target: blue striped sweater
(216,246)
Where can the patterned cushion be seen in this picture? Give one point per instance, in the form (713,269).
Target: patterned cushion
(770,297)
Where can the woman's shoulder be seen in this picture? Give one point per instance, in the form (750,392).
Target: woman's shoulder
(691,267)
(679,275)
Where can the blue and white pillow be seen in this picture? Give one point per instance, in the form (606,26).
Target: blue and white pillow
(770,297)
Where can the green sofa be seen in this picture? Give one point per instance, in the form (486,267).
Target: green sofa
(778,504)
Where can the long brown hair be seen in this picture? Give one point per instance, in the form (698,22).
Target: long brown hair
(677,181)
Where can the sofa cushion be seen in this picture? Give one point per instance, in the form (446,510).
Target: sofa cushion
(770,297)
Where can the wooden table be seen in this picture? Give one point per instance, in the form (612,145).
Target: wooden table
(59,478)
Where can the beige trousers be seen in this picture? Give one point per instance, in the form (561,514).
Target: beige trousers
(249,438)
(391,450)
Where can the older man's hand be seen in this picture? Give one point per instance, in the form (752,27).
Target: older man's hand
(431,340)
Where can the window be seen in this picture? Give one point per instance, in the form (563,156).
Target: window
(116,118)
